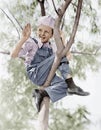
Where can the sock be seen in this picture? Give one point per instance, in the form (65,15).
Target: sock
(70,83)
(44,93)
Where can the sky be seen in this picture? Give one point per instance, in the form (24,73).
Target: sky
(91,84)
(92,102)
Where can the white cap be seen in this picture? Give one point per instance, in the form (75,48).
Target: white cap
(46,20)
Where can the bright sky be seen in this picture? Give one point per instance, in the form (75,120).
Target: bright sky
(92,84)
(92,102)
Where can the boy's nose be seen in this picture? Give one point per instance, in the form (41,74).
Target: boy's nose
(43,33)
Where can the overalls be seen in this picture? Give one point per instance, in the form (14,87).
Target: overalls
(39,69)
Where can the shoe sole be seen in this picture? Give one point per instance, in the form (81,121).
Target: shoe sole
(80,94)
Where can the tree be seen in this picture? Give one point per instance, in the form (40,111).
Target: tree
(16,95)
(76,120)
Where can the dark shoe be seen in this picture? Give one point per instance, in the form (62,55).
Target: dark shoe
(39,95)
(77,91)
(73,89)
(38,99)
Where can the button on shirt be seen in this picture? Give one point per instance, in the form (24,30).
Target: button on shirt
(30,48)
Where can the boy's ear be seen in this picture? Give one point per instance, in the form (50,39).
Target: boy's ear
(51,36)
(52,33)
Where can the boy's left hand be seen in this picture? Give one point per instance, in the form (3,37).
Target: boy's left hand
(26,31)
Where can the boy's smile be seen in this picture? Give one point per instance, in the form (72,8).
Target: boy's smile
(44,33)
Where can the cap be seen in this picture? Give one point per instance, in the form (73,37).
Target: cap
(46,20)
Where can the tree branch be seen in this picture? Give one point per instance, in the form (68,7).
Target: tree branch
(72,51)
(71,40)
(16,20)
(43,13)
(57,36)
(11,22)
(58,42)
(96,51)
(61,51)
(83,53)
(5,52)
(55,7)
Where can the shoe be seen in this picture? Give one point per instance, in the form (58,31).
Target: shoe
(74,89)
(78,91)
(38,99)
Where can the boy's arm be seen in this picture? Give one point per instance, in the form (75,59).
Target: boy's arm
(25,35)
(68,55)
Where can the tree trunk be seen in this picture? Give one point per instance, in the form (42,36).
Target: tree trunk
(61,52)
(43,116)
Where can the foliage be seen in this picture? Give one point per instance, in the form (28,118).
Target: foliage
(17,111)
(88,60)
(64,119)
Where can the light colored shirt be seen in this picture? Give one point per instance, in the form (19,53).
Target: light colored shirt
(30,48)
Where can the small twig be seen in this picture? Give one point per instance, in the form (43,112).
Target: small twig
(55,7)
(74,4)
(5,52)
(16,20)
(11,21)
(82,53)
(8,53)
(97,50)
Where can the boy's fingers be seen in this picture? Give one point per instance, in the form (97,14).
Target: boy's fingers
(28,25)
(27,29)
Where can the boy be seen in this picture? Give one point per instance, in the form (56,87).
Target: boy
(39,58)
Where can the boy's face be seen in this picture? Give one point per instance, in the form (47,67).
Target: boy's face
(44,33)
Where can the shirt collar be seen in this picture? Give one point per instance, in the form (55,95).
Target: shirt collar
(40,44)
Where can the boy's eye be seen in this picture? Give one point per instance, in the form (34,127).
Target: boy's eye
(40,30)
(43,31)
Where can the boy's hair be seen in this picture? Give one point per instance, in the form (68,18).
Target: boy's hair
(46,20)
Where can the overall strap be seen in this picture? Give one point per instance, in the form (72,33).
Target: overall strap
(35,40)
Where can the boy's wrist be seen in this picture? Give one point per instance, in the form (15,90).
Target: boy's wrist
(46,84)
(24,39)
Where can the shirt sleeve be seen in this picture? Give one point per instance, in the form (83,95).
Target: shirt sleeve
(27,47)
(54,48)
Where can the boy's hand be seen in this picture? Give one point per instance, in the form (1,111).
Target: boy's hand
(62,37)
(26,31)
(69,55)
(45,85)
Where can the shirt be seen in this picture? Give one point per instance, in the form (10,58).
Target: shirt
(30,48)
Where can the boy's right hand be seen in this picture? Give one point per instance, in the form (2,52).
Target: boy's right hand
(26,31)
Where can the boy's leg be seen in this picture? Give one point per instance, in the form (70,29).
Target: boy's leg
(38,75)
(58,88)
(56,91)
(66,74)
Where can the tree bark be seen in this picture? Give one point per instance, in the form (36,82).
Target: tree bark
(43,116)
(61,52)
(41,2)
